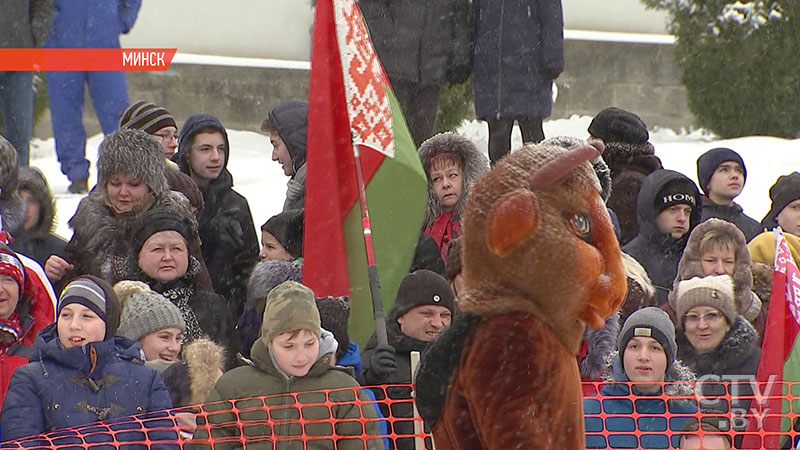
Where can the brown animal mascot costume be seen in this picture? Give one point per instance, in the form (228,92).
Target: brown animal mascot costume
(540,260)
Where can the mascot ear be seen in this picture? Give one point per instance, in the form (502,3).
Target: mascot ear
(512,221)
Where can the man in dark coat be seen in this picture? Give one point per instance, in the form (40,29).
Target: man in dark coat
(287,127)
(721,173)
(668,210)
(422,44)
(423,309)
(22,25)
(227,233)
(519,51)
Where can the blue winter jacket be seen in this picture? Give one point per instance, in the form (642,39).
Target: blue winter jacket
(60,388)
(91,23)
(654,420)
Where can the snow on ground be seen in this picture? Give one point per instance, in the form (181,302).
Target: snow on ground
(262,182)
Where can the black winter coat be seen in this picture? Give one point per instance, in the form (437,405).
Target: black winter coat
(519,51)
(420,41)
(656,251)
(734,214)
(229,258)
(403,346)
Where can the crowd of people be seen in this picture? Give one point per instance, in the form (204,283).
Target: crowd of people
(162,297)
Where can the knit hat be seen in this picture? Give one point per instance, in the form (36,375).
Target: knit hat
(147,117)
(287,227)
(649,322)
(785,190)
(333,315)
(146,312)
(617,125)
(135,153)
(9,169)
(290,306)
(708,162)
(714,291)
(11,265)
(95,294)
(158,219)
(675,192)
(423,287)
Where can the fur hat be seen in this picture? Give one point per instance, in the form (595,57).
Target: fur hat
(146,312)
(708,162)
(135,153)
(650,322)
(95,294)
(333,315)
(158,219)
(473,164)
(714,291)
(9,169)
(617,125)
(599,165)
(11,265)
(147,117)
(423,287)
(785,190)
(677,191)
(290,306)
(287,227)
(268,274)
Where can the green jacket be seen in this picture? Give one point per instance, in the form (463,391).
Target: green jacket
(279,427)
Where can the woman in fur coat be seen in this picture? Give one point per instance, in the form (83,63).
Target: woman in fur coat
(130,181)
(451,163)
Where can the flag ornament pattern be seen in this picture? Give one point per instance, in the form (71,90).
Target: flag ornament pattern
(364,81)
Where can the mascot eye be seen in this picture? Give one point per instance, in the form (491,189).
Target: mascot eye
(581,225)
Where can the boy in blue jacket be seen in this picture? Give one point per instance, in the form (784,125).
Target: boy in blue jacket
(80,372)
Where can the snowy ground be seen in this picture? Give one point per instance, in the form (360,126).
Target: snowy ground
(262,181)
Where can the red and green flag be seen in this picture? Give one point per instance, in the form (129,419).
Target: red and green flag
(352,106)
(780,355)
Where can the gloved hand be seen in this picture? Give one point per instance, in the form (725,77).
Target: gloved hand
(382,362)
(227,229)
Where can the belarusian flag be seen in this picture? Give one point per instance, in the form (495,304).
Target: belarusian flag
(780,356)
(351,103)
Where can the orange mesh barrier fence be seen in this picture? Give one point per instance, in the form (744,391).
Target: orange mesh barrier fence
(615,417)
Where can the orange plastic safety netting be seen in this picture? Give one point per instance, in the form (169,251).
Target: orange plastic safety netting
(749,415)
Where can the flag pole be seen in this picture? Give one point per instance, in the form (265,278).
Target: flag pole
(372,269)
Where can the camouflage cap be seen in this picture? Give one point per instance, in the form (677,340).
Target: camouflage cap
(290,306)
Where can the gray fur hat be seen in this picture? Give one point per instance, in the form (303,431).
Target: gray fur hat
(473,164)
(146,312)
(650,322)
(598,164)
(268,274)
(9,169)
(133,152)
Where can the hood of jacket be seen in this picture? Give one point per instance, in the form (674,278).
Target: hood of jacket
(291,120)
(737,345)
(646,212)
(48,347)
(263,359)
(690,266)
(473,164)
(190,128)
(678,373)
(32,180)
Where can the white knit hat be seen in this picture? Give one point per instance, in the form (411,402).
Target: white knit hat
(715,291)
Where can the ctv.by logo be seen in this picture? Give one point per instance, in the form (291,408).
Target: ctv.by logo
(744,392)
